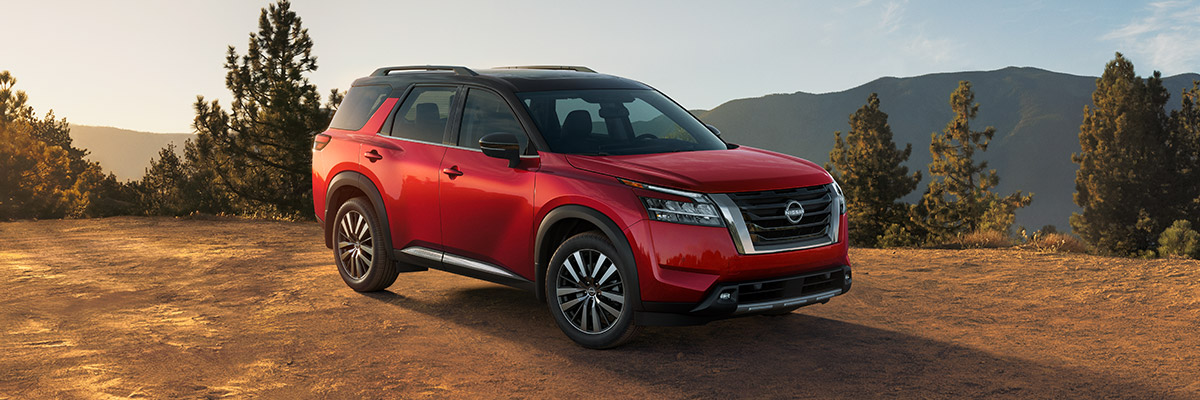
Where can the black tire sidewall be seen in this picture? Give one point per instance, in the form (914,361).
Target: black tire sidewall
(382,273)
(621,330)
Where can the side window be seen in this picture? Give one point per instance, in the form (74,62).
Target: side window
(423,114)
(485,113)
(357,107)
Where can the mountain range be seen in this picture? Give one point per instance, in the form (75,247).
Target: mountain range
(123,152)
(1036,114)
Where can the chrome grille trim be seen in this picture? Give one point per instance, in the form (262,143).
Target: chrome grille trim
(739,228)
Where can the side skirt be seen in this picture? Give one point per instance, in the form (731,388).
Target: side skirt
(464,266)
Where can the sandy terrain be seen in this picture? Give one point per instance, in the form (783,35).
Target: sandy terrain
(159,307)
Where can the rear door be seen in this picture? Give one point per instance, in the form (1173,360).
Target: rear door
(404,159)
(487,207)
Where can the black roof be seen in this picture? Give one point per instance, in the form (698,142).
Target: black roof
(516,79)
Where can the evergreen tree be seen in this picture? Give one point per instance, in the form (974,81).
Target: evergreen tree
(41,174)
(1124,183)
(260,149)
(870,169)
(959,198)
(162,184)
(1185,143)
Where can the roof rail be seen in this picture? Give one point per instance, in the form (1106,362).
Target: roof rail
(554,67)
(458,70)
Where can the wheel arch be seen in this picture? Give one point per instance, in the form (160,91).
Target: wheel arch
(566,221)
(345,186)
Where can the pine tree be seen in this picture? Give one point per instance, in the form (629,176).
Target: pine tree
(1185,143)
(870,169)
(260,149)
(41,174)
(959,198)
(1124,183)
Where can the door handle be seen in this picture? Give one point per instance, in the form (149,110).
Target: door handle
(452,172)
(373,156)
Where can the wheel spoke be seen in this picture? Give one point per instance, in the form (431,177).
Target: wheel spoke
(599,262)
(346,231)
(567,266)
(611,311)
(360,227)
(579,263)
(567,305)
(595,317)
(367,249)
(612,268)
(614,297)
(568,291)
(342,245)
(347,254)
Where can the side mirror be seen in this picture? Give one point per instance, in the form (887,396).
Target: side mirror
(502,145)
(714,129)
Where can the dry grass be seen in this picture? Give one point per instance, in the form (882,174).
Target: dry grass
(1057,243)
(984,240)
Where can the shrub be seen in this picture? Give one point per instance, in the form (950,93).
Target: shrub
(984,239)
(1057,243)
(897,236)
(1179,240)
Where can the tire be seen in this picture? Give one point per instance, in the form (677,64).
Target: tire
(595,308)
(363,256)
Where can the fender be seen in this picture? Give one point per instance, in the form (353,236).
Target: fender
(363,184)
(609,228)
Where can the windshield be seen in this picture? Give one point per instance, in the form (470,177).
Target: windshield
(615,122)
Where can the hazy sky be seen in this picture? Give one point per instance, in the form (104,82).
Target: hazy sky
(139,64)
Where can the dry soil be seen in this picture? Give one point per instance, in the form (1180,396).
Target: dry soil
(169,308)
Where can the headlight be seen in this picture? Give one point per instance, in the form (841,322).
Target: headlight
(691,213)
(839,196)
(699,211)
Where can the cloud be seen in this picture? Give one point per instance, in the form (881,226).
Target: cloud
(893,14)
(1167,36)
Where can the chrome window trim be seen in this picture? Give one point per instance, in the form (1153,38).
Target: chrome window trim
(452,146)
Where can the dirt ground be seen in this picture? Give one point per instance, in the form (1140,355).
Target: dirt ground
(168,308)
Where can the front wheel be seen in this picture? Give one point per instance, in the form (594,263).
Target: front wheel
(592,292)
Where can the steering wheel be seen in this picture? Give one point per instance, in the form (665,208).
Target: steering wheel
(646,136)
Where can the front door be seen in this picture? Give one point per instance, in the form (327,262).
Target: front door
(487,207)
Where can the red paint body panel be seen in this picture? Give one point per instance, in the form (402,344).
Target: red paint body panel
(743,169)
(487,212)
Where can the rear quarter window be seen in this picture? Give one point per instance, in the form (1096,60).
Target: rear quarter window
(357,107)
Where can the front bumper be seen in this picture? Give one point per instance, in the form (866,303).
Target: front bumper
(735,299)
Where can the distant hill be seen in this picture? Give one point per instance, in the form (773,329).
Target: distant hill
(123,152)
(1036,114)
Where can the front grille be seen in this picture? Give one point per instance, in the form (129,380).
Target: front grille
(769,227)
(764,291)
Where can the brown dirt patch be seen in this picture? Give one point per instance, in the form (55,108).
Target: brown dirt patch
(160,308)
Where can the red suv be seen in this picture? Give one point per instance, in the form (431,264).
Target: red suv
(601,195)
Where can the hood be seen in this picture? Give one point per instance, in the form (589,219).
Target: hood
(744,169)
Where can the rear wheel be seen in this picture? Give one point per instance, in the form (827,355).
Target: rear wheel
(592,292)
(363,258)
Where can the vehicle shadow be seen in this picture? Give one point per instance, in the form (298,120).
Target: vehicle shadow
(794,356)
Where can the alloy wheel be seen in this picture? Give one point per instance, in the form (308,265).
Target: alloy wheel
(590,291)
(355,245)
